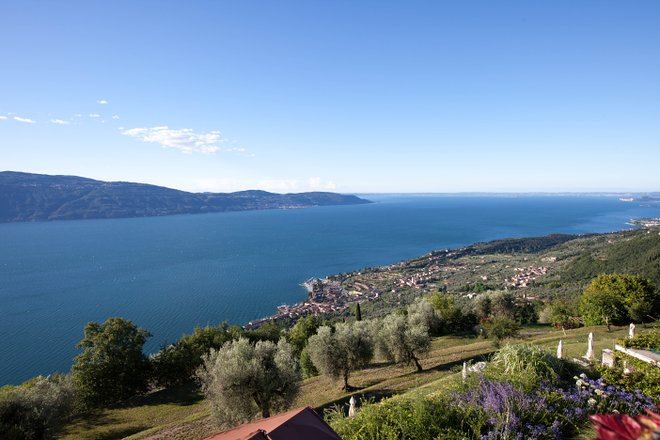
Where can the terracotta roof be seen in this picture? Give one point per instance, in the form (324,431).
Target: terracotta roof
(302,423)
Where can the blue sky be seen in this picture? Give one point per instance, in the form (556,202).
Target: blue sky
(346,96)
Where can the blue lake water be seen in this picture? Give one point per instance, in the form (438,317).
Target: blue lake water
(168,274)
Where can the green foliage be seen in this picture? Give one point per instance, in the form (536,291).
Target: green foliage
(526,364)
(349,348)
(242,380)
(560,313)
(617,299)
(503,305)
(270,331)
(476,287)
(500,328)
(307,368)
(455,315)
(36,410)
(639,255)
(112,366)
(176,364)
(400,418)
(300,333)
(403,341)
(527,312)
(523,245)
(644,377)
(646,341)
(422,312)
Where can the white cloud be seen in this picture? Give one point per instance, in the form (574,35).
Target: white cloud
(60,122)
(182,139)
(316,184)
(94,115)
(78,115)
(26,120)
(102,102)
(2,118)
(115,117)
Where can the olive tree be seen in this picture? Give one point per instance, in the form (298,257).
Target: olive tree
(402,339)
(112,366)
(423,312)
(243,380)
(36,409)
(335,354)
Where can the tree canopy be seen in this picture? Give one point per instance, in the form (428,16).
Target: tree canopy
(335,354)
(243,380)
(112,366)
(618,299)
(403,339)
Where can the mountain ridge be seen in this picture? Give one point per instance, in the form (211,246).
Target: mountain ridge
(29,197)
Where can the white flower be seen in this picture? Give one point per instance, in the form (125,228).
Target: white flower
(591,401)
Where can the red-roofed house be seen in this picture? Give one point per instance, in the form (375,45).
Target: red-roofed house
(299,424)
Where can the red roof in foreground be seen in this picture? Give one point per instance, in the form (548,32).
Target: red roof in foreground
(302,423)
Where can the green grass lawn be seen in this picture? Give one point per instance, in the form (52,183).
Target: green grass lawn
(182,413)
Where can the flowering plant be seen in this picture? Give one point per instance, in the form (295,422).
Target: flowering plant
(625,427)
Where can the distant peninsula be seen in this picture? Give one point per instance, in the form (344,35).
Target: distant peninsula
(26,197)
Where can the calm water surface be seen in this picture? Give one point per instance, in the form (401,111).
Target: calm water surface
(168,274)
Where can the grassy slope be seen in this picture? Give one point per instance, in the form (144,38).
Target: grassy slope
(183,414)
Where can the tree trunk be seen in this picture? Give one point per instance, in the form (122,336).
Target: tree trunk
(607,321)
(417,364)
(265,412)
(345,381)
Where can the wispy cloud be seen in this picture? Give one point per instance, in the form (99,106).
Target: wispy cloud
(60,122)
(2,118)
(94,115)
(316,184)
(182,139)
(294,185)
(102,102)
(25,120)
(115,117)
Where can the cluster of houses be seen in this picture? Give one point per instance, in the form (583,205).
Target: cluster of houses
(325,296)
(524,276)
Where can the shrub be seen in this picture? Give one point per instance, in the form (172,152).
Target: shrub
(36,410)
(526,364)
(176,364)
(500,410)
(401,418)
(500,328)
(644,377)
(487,409)
(646,341)
(588,396)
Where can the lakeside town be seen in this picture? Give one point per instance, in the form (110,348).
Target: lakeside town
(324,296)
